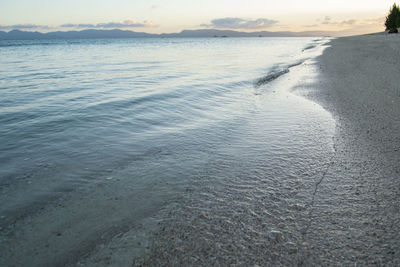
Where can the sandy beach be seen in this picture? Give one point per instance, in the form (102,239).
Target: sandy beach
(356,209)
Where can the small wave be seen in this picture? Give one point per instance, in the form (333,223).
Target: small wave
(13,43)
(276,73)
(270,77)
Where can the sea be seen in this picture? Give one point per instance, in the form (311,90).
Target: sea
(191,149)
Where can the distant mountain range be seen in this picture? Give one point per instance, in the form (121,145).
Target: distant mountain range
(92,34)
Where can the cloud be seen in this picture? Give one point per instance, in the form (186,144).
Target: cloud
(349,22)
(154,7)
(119,25)
(328,21)
(311,26)
(70,25)
(379,20)
(24,27)
(239,23)
(349,26)
(109,25)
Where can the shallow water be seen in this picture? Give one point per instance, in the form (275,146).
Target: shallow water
(204,124)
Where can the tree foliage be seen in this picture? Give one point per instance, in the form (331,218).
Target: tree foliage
(393,18)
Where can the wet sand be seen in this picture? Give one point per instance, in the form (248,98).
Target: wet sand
(356,208)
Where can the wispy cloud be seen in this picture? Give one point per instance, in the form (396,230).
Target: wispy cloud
(71,25)
(109,25)
(348,26)
(154,7)
(328,21)
(25,27)
(349,22)
(311,26)
(239,23)
(118,24)
(379,20)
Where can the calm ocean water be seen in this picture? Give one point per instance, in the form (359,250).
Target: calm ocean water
(151,120)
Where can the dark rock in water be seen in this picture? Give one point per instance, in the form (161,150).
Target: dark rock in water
(393,31)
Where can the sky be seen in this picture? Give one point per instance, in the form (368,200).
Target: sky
(162,16)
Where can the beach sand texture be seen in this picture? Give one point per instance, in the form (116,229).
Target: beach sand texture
(356,214)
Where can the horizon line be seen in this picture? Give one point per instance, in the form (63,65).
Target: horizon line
(182,31)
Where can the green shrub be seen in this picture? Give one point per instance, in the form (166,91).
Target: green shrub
(393,18)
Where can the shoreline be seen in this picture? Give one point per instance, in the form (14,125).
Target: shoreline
(337,203)
(356,218)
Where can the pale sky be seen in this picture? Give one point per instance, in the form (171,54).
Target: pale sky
(159,16)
